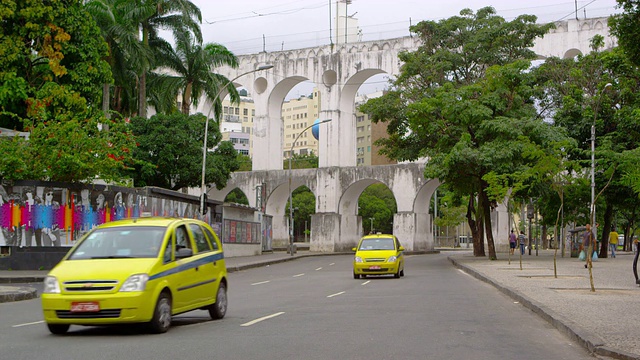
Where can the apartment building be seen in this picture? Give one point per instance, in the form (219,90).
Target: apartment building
(297,115)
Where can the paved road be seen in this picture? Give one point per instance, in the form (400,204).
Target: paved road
(312,308)
(609,330)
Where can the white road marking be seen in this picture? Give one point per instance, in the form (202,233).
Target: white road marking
(366,282)
(260,283)
(31,323)
(298,275)
(252,322)
(336,294)
(332,264)
(319,269)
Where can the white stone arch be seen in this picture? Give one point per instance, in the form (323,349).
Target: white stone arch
(239,188)
(276,205)
(348,203)
(571,53)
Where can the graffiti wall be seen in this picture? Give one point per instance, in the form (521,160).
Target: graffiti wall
(40,214)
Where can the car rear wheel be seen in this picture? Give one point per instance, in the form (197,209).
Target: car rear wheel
(161,320)
(402,272)
(218,309)
(58,329)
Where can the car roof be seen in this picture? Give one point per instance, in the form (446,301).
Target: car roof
(146,221)
(378,236)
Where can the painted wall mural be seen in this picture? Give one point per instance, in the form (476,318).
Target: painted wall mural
(58,216)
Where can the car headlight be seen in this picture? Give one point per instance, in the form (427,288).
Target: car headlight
(51,285)
(392,259)
(136,282)
(358,259)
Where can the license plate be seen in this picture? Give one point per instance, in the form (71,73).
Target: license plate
(89,306)
(374,267)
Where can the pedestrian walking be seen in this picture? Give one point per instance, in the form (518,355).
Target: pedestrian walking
(522,240)
(613,241)
(512,242)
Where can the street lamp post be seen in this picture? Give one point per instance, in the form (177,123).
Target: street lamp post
(206,130)
(593,160)
(290,195)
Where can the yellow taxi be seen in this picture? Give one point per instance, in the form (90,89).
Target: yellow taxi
(379,254)
(141,270)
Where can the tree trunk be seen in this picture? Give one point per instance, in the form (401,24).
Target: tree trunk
(142,95)
(105,105)
(545,242)
(186,99)
(486,207)
(476,227)
(142,86)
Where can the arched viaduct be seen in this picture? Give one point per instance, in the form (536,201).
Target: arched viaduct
(339,71)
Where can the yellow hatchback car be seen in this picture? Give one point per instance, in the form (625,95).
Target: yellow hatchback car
(141,270)
(378,255)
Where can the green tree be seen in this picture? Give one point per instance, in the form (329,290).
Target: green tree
(600,88)
(191,76)
(304,204)
(125,51)
(462,101)
(237,196)
(52,68)
(298,161)
(151,16)
(626,27)
(377,202)
(169,152)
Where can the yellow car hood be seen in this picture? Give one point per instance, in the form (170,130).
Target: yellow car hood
(101,269)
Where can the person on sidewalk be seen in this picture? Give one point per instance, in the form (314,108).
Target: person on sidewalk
(588,243)
(512,242)
(613,241)
(522,240)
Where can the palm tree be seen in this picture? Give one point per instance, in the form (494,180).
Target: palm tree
(122,40)
(152,16)
(190,74)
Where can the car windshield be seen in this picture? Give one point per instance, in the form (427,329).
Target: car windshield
(377,244)
(120,242)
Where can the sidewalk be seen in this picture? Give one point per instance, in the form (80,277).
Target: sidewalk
(609,329)
(606,321)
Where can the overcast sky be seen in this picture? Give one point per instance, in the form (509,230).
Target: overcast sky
(291,24)
(249,26)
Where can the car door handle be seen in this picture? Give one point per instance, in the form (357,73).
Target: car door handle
(196,268)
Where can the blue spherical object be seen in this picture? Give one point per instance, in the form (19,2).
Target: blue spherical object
(315,130)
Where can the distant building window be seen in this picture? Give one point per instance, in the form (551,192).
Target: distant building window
(243,152)
(245,112)
(237,111)
(253,112)
(368,148)
(225,110)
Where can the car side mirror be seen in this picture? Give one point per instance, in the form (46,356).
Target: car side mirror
(401,248)
(353,249)
(184,253)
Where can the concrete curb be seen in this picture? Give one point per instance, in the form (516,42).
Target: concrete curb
(18,293)
(21,279)
(589,341)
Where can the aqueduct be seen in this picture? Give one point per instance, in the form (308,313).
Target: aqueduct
(339,71)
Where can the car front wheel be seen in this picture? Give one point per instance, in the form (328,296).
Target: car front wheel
(218,309)
(161,320)
(58,329)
